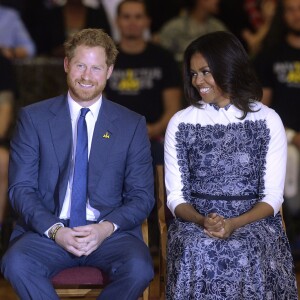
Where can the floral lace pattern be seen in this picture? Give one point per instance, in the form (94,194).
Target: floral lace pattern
(255,262)
(223,160)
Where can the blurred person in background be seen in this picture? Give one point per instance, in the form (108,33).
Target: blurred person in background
(278,66)
(198,19)
(249,20)
(146,79)
(49,22)
(15,40)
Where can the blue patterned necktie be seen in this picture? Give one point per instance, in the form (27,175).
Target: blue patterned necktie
(79,187)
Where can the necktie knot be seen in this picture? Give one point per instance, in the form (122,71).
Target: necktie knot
(84,111)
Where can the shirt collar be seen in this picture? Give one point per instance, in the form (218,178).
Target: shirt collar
(216,107)
(75,107)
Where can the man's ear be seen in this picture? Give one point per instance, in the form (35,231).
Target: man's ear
(109,71)
(66,64)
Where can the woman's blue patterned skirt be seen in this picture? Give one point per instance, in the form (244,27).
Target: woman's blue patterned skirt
(254,263)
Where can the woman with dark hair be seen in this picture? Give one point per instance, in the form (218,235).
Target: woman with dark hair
(225,160)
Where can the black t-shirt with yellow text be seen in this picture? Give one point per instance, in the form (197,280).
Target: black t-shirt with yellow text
(280,71)
(138,80)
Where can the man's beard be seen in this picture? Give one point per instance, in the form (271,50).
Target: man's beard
(83,95)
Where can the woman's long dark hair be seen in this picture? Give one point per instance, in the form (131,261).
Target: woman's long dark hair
(230,67)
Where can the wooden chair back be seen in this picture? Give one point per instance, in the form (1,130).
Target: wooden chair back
(164,218)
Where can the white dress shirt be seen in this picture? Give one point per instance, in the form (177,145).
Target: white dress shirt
(91,118)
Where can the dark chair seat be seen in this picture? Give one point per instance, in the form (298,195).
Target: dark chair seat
(80,276)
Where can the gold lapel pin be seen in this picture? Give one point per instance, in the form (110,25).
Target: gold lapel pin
(106,135)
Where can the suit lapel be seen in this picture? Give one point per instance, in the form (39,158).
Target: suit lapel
(61,133)
(104,137)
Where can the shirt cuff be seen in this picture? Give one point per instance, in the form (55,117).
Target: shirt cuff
(46,232)
(116,227)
